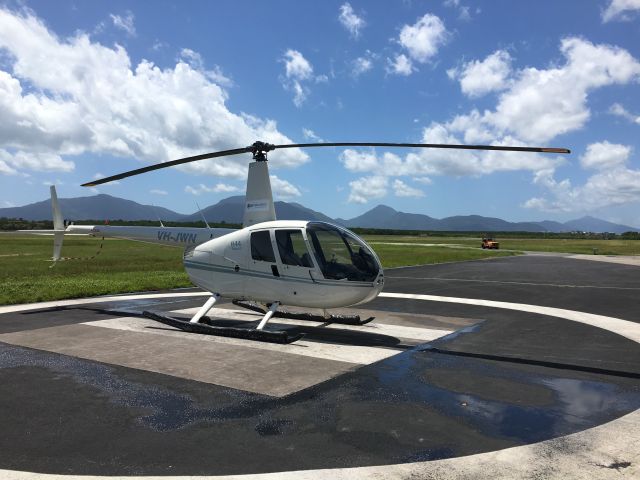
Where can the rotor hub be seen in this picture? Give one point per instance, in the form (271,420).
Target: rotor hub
(260,149)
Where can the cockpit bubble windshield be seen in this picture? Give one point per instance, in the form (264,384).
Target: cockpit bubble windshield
(341,255)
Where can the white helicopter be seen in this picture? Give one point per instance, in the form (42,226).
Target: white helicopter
(273,262)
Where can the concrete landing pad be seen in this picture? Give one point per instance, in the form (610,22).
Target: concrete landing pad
(458,377)
(251,366)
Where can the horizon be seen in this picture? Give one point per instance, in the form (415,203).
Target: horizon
(373,207)
(105,87)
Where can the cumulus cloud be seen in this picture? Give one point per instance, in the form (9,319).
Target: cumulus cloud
(605,155)
(620,111)
(614,183)
(218,188)
(540,104)
(420,41)
(367,188)
(349,20)
(69,97)
(620,10)
(362,65)
(283,189)
(480,77)
(400,65)
(298,73)
(195,60)
(124,23)
(10,163)
(401,189)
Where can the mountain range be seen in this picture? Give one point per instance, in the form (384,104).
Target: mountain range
(230,210)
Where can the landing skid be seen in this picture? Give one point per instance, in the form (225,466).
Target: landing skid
(343,319)
(232,332)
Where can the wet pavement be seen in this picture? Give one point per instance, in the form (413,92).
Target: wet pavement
(425,401)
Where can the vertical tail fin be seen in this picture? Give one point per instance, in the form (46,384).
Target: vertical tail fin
(259,199)
(58,224)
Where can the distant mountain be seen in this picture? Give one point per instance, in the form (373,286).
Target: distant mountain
(591,224)
(386,217)
(383,216)
(477,223)
(552,226)
(231,210)
(96,207)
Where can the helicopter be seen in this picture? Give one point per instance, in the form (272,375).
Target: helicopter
(271,262)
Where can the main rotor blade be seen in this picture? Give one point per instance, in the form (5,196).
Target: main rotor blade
(265,147)
(158,166)
(428,145)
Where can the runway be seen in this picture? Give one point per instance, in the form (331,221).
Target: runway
(486,369)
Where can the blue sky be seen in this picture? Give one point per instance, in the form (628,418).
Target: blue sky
(96,88)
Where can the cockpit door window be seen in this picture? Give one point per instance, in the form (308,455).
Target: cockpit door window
(261,247)
(293,249)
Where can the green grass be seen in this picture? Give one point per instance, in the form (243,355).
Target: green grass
(404,255)
(124,266)
(586,246)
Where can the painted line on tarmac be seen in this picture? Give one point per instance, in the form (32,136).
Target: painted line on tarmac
(592,453)
(86,301)
(505,282)
(625,328)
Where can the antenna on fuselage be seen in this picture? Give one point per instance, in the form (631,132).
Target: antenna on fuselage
(202,215)
(157,216)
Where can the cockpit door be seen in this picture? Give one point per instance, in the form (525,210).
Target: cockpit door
(295,259)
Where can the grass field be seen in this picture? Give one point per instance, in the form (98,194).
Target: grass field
(604,247)
(125,266)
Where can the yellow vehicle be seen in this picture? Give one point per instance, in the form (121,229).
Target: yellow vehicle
(490,243)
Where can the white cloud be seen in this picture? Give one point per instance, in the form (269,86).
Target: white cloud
(422,39)
(298,71)
(480,77)
(195,60)
(619,110)
(424,180)
(614,183)
(296,66)
(124,23)
(605,155)
(540,104)
(218,188)
(361,65)
(401,65)
(311,135)
(283,189)
(70,97)
(155,191)
(401,189)
(367,188)
(359,161)
(349,20)
(37,161)
(464,11)
(620,10)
